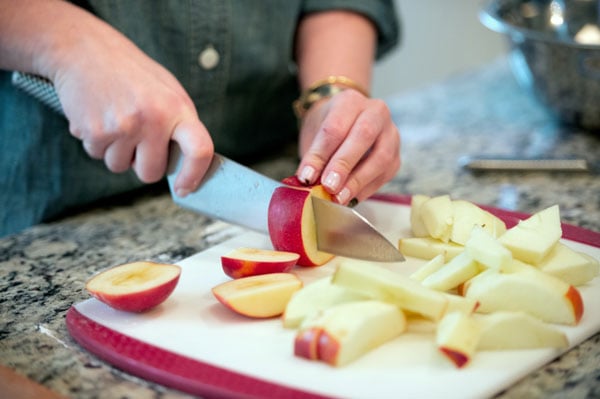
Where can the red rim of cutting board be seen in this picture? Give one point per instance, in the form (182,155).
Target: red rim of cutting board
(199,378)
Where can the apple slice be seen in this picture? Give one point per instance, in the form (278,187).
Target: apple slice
(437,217)
(244,262)
(428,268)
(487,251)
(291,223)
(573,267)
(379,283)
(428,248)
(457,337)
(136,286)
(416,221)
(517,330)
(533,238)
(261,296)
(458,303)
(314,297)
(343,333)
(453,273)
(529,290)
(466,215)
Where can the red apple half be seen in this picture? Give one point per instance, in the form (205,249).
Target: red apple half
(261,296)
(292,223)
(244,262)
(136,286)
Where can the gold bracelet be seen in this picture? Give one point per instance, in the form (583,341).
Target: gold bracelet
(324,88)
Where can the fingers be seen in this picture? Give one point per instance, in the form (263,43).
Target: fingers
(197,150)
(356,148)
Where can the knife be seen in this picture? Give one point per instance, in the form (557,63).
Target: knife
(237,194)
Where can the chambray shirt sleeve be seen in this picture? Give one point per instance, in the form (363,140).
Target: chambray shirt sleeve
(382,13)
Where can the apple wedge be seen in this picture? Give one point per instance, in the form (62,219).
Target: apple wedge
(529,290)
(573,267)
(517,330)
(291,223)
(343,333)
(533,238)
(244,262)
(416,221)
(136,286)
(437,217)
(486,250)
(261,296)
(457,337)
(428,248)
(379,283)
(314,297)
(453,273)
(466,215)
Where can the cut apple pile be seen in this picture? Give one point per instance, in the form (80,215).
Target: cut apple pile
(476,290)
(523,279)
(136,286)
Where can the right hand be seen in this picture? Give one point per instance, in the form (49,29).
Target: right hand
(126,108)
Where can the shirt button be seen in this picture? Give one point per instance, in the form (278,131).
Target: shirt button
(208,58)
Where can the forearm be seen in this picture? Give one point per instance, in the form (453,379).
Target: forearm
(39,36)
(335,43)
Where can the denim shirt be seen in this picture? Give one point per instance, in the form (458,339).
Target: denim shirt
(234,58)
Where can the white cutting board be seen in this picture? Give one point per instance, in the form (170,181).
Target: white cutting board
(192,323)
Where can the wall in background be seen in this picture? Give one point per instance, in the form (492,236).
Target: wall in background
(439,38)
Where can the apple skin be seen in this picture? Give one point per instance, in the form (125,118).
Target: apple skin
(341,334)
(136,286)
(457,337)
(292,225)
(244,262)
(260,296)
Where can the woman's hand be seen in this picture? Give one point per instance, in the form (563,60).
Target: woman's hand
(126,108)
(351,144)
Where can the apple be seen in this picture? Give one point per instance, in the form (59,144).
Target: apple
(437,217)
(428,248)
(314,297)
(291,223)
(575,268)
(377,282)
(517,330)
(457,337)
(428,268)
(486,250)
(416,221)
(260,296)
(136,286)
(341,334)
(466,215)
(453,273)
(526,289)
(533,238)
(244,262)
(458,303)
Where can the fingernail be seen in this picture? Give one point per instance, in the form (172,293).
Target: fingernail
(307,175)
(332,181)
(182,192)
(343,195)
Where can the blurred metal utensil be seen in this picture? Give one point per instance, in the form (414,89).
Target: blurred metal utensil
(493,163)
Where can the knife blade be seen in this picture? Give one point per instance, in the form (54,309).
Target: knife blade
(239,195)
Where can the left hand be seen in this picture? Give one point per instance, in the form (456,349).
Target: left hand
(351,144)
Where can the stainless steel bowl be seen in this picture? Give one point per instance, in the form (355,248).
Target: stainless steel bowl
(554,53)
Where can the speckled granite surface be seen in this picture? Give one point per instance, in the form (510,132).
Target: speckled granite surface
(43,269)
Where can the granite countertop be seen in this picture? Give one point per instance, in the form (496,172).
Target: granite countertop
(43,269)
